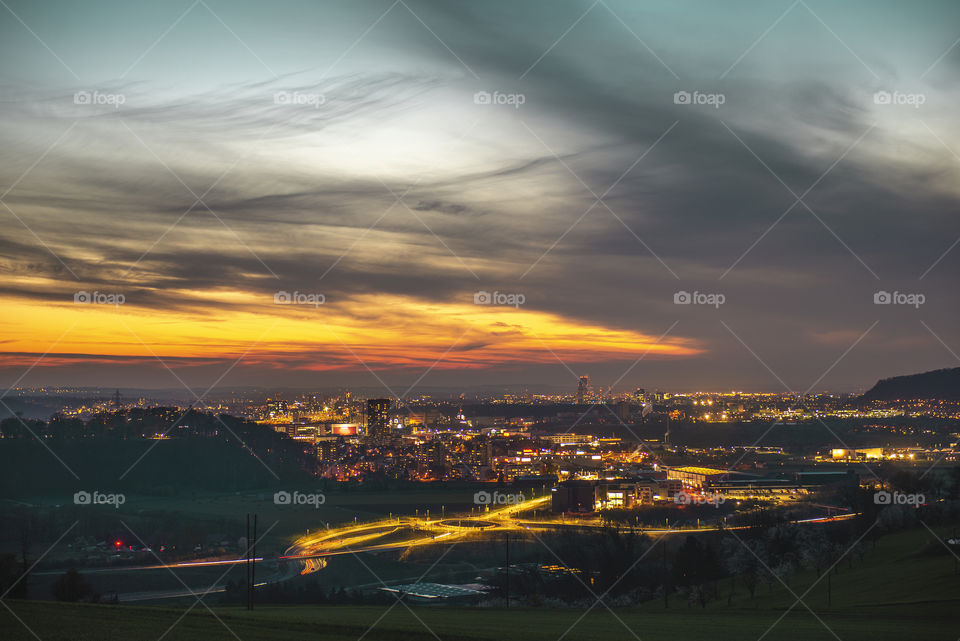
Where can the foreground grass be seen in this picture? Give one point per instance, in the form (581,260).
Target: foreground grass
(57,622)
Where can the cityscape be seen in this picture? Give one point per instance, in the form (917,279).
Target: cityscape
(454,321)
(509,477)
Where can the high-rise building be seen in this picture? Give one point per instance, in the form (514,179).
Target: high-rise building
(432,459)
(378,418)
(584,391)
(328,449)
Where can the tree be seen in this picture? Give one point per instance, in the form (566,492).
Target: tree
(813,549)
(71,586)
(697,567)
(742,562)
(13,580)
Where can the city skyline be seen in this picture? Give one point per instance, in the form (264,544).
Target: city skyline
(407,193)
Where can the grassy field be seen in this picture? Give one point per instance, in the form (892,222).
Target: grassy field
(339,506)
(904,570)
(906,588)
(54,622)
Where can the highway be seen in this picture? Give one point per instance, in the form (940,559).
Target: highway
(405,532)
(401,533)
(310,552)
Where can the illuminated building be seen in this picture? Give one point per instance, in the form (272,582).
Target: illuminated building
(378,417)
(697,477)
(581,495)
(584,390)
(862,453)
(433,459)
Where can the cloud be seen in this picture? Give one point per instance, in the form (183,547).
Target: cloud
(378,180)
(443,207)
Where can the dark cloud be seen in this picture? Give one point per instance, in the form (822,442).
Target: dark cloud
(306,169)
(443,207)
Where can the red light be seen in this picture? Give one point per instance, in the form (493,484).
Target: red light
(118,543)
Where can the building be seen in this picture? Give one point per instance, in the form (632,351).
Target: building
(331,428)
(625,493)
(432,459)
(665,488)
(437,592)
(584,391)
(378,419)
(419,419)
(829,477)
(511,471)
(858,454)
(618,494)
(575,496)
(568,439)
(327,448)
(697,477)
(738,484)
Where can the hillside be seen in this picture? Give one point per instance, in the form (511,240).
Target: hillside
(943,384)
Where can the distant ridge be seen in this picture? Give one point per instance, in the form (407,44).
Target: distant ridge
(941,384)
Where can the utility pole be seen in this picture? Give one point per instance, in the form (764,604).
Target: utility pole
(829,588)
(508,568)
(666,582)
(251,559)
(247,563)
(253,565)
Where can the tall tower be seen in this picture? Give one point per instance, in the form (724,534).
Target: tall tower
(378,416)
(584,390)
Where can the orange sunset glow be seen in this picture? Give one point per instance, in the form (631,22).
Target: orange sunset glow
(376,331)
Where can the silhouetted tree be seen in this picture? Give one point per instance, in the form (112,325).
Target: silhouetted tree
(71,586)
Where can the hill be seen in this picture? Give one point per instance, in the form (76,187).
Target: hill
(942,384)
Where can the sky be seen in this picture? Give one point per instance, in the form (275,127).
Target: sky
(673,195)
